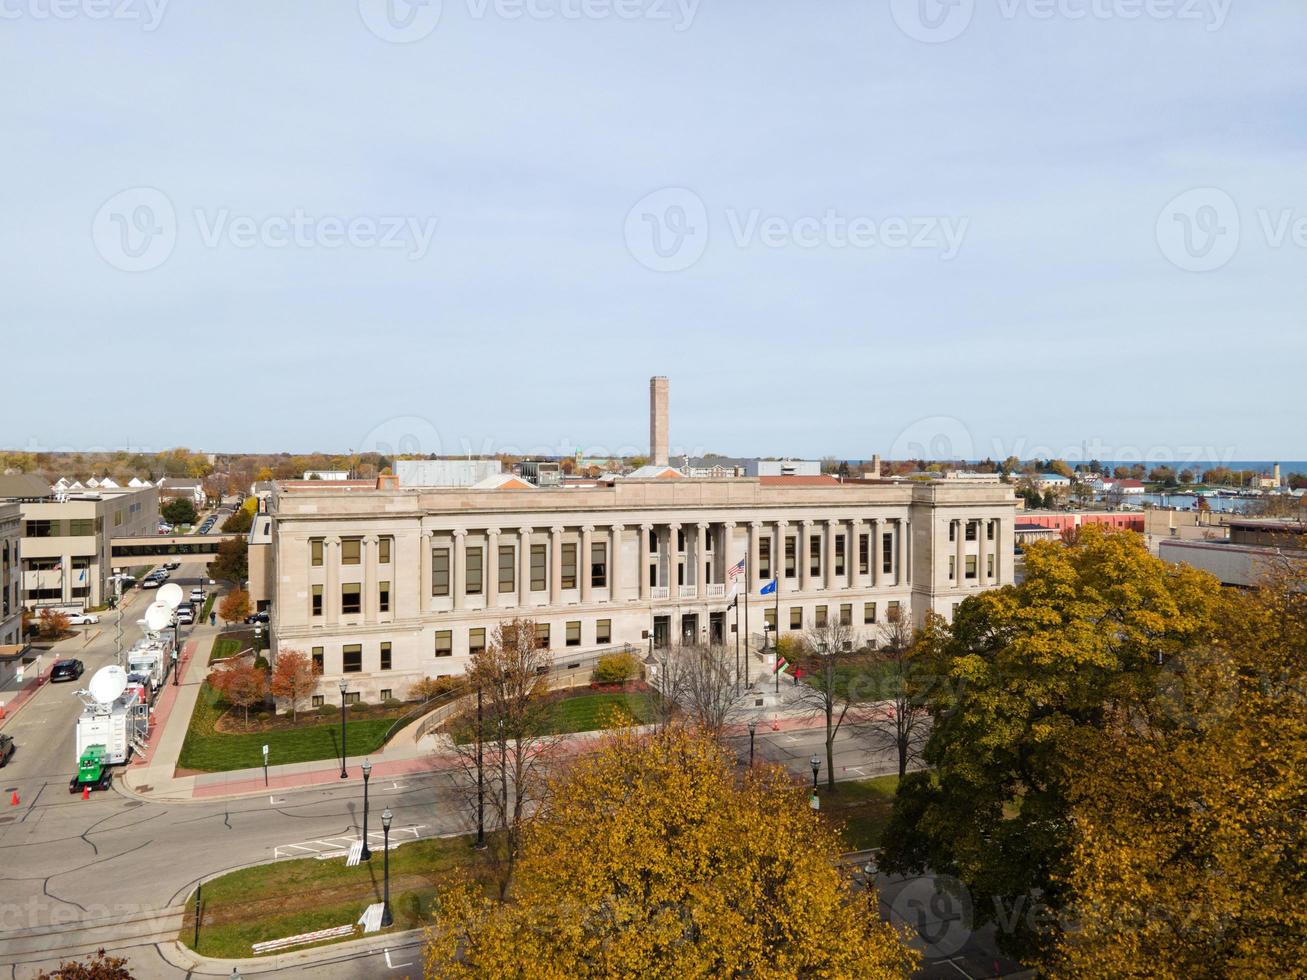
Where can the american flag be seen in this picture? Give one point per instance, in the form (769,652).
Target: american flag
(735,571)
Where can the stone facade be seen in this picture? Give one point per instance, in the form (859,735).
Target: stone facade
(385,586)
(11,604)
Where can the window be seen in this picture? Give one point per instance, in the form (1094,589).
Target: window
(892,612)
(317,600)
(385,664)
(386,694)
(318,659)
(538,558)
(680,540)
(846,614)
(653,541)
(507,568)
(315,552)
(351,599)
(353,697)
(599,564)
(318,700)
(383,597)
(764,558)
(971,566)
(864,549)
(80,528)
(444,643)
(476,639)
(814,556)
(476,579)
(971,530)
(791,546)
(887,553)
(351,551)
(952,567)
(989,565)
(40,529)
(868,612)
(952,530)
(542,635)
(383,550)
(574,633)
(821,616)
(569,565)
(839,555)
(440,571)
(796,617)
(351,658)
(989,529)
(604,631)
(769,618)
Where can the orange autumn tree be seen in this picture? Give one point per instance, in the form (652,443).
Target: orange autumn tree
(653,857)
(294,678)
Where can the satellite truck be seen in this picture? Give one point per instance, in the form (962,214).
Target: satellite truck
(112,724)
(152,655)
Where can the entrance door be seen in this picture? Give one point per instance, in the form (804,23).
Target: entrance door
(717,628)
(689,629)
(662,631)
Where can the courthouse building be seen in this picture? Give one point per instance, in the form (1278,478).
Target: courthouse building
(384,584)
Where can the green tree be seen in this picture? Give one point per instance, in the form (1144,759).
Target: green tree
(179,510)
(1023,673)
(232,562)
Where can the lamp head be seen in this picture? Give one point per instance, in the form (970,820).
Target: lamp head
(367,768)
(753,725)
(386,817)
(344,686)
(815,763)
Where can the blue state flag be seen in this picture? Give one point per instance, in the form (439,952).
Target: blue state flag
(769,588)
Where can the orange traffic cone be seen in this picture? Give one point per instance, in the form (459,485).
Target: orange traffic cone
(13,801)
(86,792)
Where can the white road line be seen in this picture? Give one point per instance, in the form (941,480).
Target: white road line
(394,966)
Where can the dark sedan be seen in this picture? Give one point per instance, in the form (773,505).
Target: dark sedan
(67,670)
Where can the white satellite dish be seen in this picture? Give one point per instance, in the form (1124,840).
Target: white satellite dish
(108,683)
(158,617)
(170,595)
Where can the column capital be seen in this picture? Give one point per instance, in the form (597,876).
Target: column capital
(701,525)
(555,530)
(370,539)
(674,525)
(524,532)
(729,525)
(333,540)
(493,530)
(617,528)
(646,528)
(782,524)
(834,521)
(587,529)
(807,522)
(459,532)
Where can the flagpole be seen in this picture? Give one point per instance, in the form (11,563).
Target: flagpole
(777,671)
(748,583)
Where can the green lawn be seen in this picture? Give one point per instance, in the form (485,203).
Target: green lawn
(867,679)
(862,808)
(288,898)
(208,605)
(592,712)
(224,647)
(208,750)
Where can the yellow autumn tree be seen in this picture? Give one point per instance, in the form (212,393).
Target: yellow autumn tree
(653,858)
(1190,856)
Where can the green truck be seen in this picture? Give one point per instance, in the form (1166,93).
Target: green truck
(92,772)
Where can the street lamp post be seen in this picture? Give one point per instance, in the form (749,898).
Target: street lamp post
(386,919)
(480,844)
(176,645)
(343,688)
(753,726)
(366,854)
(816,768)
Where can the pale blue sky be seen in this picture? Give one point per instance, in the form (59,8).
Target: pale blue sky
(1062,312)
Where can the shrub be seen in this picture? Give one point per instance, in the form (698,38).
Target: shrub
(431,687)
(792,648)
(615,668)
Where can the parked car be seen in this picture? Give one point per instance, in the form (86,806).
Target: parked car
(83,619)
(173,565)
(186,614)
(67,670)
(6,749)
(197,594)
(151,582)
(258,617)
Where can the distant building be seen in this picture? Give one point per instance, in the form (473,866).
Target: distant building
(1052,481)
(1065,521)
(1026,533)
(66,536)
(174,488)
(540,473)
(11,607)
(332,475)
(445,472)
(967,476)
(782,467)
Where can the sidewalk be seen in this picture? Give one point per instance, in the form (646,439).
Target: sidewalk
(156,778)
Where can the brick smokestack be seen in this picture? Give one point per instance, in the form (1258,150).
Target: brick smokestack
(658,421)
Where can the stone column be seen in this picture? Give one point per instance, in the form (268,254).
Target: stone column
(583,561)
(1003,546)
(982,551)
(700,552)
(724,552)
(524,566)
(459,585)
(905,566)
(751,573)
(852,556)
(673,554)
(804,558)
(614,561)
(490,564)
(371,601)
(331,596)
(556,565)
(645,530)
(424,600)
(778,553)
(828,560)
(960,562)
(873,552)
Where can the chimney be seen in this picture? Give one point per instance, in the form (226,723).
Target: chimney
(875,466)
(387,481)
(658,421)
